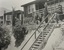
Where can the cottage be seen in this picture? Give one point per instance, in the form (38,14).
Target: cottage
(9,17)
(31,7)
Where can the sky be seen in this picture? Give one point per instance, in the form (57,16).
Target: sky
(8,4)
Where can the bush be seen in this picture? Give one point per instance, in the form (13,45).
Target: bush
(4,38)
(19,33)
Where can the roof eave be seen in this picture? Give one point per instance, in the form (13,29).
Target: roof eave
(33,2)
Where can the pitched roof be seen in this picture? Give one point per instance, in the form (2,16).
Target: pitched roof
(37,1)
(17,11)
(28,3)
(33,2)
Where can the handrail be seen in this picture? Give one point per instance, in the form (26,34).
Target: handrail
(49,21)
(43,29)
(33,33)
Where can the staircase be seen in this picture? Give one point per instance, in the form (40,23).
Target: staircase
(42,39)
(43,36)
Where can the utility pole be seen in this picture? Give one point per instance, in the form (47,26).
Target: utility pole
(4,17)
(12,18)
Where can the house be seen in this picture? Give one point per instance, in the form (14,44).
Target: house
(9,17)
(31,7)
(2,11)
(37,7)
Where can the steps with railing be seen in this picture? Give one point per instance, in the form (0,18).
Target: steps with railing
(40,42)
(34,34)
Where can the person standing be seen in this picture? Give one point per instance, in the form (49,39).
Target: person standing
(45,12)
(57,18)
(60,12)
(37,18)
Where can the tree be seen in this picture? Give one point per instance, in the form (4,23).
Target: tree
(19,33)
(4,38)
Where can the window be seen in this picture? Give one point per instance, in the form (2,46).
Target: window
(8,17)
(28,9)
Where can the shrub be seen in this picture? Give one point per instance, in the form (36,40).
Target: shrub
(19,33)
(4,38)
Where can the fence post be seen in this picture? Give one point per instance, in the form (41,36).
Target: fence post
(35,35)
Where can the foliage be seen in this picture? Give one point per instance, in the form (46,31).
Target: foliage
(4,38)
(19,33)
